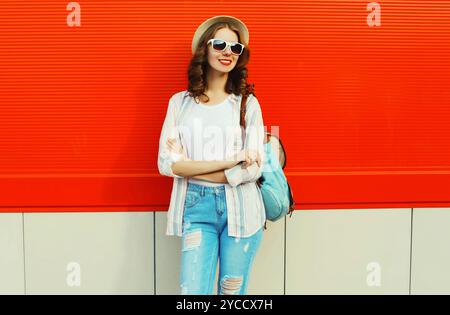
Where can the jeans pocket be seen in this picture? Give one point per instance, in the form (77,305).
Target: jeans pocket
(192,198)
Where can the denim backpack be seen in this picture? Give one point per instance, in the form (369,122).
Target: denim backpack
(275,190)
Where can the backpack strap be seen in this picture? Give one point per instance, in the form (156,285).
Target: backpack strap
(283,150)
(291,201)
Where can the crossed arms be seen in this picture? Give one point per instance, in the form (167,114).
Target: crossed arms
(245,166)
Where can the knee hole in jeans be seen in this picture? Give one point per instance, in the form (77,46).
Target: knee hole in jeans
(192,240)
(231,285)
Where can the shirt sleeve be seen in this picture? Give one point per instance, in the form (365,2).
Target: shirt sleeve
(169,130)
(255,134)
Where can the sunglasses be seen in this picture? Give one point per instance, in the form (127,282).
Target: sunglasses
(221,45)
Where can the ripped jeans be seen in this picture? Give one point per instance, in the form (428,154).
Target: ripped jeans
(205,239)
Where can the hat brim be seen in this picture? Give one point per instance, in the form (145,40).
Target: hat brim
(241,27)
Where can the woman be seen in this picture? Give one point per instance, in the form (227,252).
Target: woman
(215,205)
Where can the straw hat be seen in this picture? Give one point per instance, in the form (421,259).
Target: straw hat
(240,26)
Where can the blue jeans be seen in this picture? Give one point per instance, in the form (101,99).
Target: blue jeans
(205,239)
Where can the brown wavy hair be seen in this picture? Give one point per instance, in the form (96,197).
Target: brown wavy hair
(198,67)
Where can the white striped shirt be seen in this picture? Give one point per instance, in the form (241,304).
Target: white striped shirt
(245,207)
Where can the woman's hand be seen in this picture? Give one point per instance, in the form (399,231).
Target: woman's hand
(176,147)
(251,156)
(248,157)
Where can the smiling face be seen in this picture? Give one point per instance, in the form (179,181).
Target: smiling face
(223,61)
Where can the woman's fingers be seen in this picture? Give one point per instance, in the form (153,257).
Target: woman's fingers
(173,142)
(252,156)
(170,144)
(174,145)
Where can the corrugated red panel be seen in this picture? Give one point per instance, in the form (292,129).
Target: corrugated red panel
(363,111)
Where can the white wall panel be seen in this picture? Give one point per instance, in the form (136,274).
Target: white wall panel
(11,258)
(111,252)
(167,259)
(348,251)
(431,251)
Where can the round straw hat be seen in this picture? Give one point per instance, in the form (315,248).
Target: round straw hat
(240,26)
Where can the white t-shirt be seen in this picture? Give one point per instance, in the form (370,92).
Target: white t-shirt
(208,132)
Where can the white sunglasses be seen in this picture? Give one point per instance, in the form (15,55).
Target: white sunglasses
(221,45)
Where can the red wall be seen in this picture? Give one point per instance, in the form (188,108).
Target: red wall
(363,111)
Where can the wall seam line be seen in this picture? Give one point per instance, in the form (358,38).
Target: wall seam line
(410,250)
(24,257)
(154,252)
(284,271)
